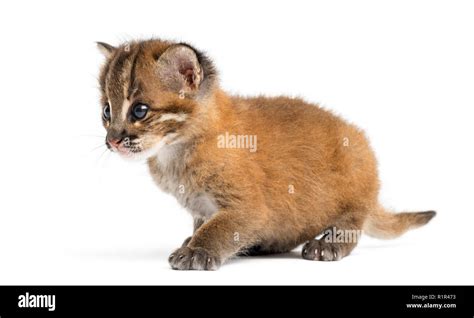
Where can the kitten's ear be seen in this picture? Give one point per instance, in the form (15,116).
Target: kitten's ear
(106,49)
(180,70)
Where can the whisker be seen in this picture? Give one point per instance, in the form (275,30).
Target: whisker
(107,156)
(101,155)
(98,147)
(96,136)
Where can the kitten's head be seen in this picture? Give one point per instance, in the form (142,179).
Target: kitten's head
(153,94)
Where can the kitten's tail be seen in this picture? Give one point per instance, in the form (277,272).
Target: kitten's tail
(386,225)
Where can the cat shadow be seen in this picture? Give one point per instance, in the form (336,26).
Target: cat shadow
(296,254)
(125,254)
(288,255)
(157,254)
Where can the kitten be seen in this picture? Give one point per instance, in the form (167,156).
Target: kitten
(307,173)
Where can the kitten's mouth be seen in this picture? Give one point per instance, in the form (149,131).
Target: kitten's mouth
(126,152)
(125,149)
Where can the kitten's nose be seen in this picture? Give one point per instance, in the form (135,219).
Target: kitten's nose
(114,142)
(115,137)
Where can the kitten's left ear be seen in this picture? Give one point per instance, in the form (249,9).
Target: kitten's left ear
(184,70)
(105,49)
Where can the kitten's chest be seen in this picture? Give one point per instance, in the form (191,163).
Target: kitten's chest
(174,178)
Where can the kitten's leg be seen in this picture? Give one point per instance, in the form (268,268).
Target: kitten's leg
(197,224)
(222,236)
(337,242)
(262,248)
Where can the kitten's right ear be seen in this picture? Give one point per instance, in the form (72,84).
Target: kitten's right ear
(106,49)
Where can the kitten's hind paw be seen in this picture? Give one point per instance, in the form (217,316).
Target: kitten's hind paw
(319,250)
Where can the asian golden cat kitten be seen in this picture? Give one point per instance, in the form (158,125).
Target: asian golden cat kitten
(259,175)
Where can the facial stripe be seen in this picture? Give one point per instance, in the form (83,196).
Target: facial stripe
(110,107)
(114,79)
(125,75)
(125,106)
(176,109)
(172,116)
(132,84)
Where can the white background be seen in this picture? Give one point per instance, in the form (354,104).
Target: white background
(402,70)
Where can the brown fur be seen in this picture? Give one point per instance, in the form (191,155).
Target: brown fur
(312,170)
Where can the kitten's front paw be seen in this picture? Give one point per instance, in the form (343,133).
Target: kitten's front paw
(187,258)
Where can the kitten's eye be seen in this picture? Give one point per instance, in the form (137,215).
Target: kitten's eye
(106,112)
(139,111)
